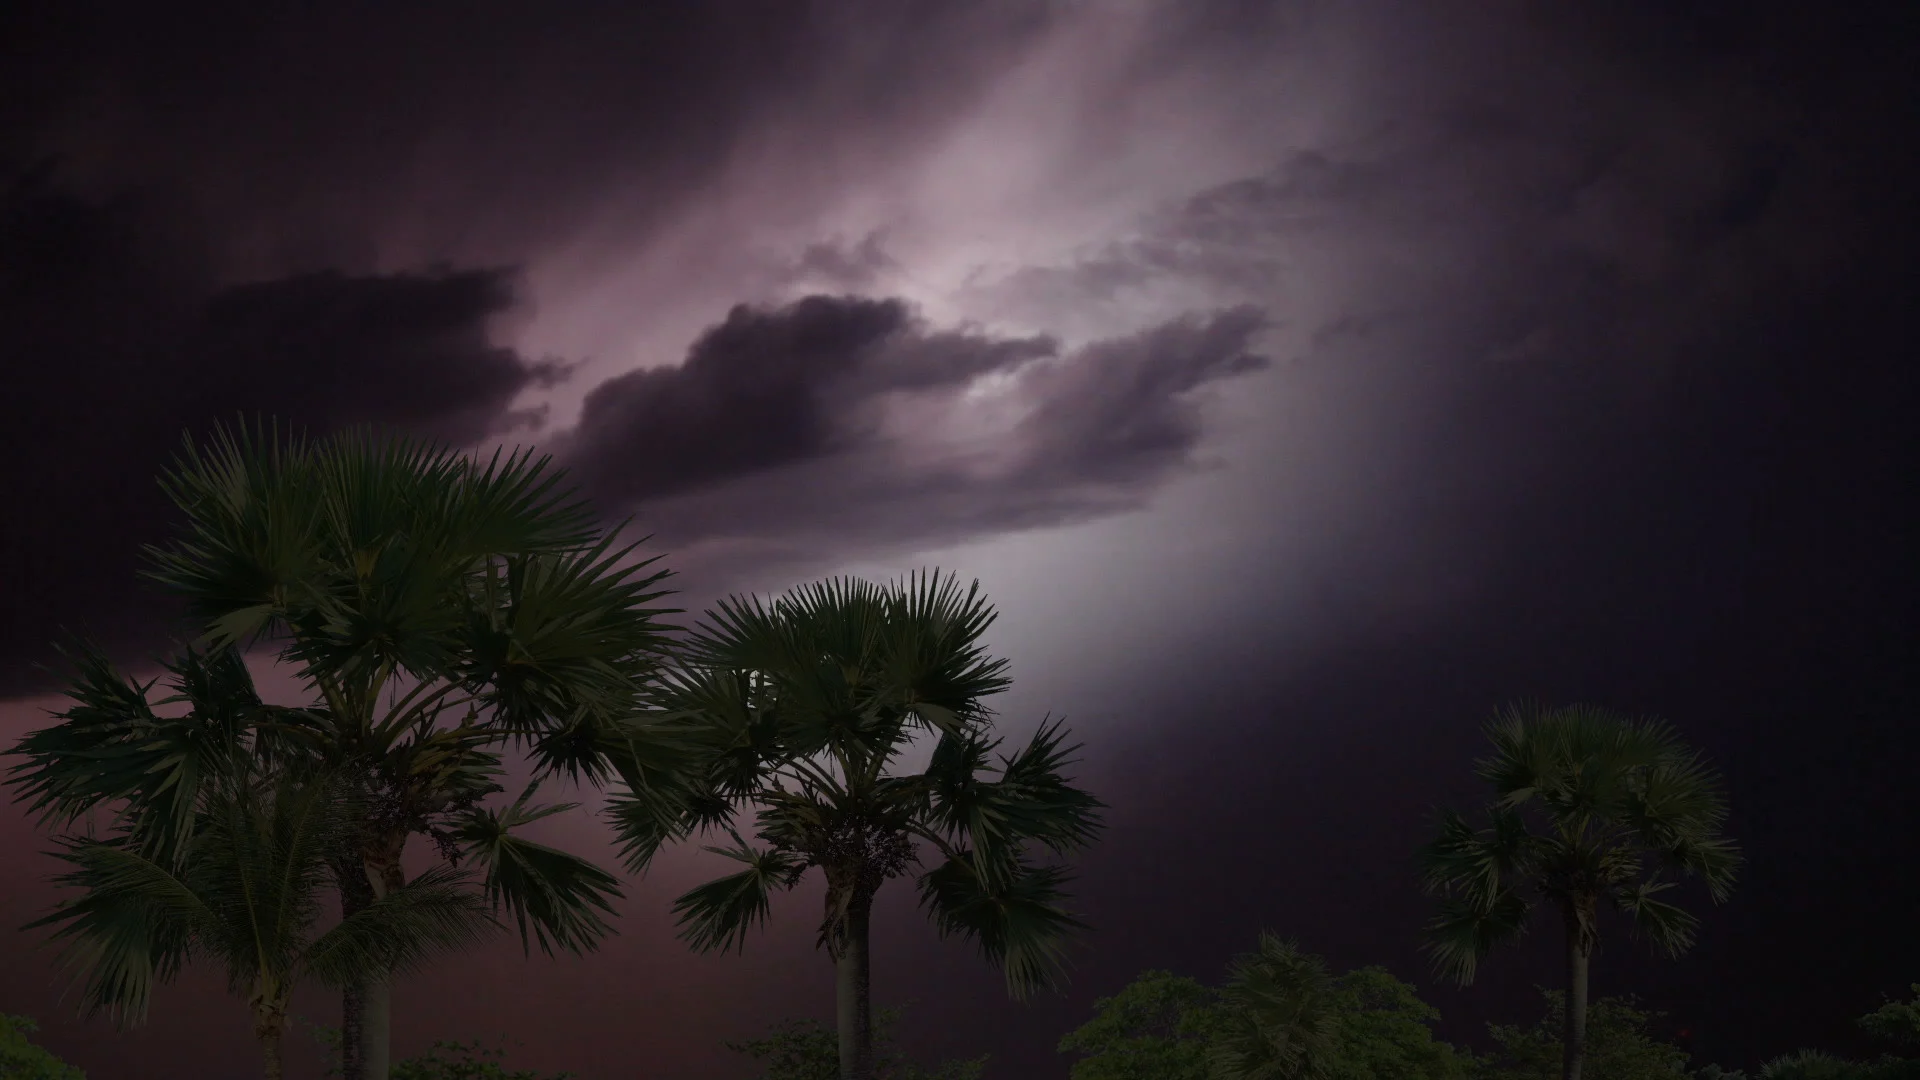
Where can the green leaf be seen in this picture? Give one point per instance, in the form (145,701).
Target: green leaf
(1015,919)
(1158,1027)
(1281,1019)
(556,899)
(20,1059)
(438,911)
(718,915)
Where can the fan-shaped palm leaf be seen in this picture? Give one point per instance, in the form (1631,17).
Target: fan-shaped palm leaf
(719,914)
(1015,917)
(561,900)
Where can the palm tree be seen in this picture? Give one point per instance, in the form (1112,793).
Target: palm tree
(245,892)
(439,610)
(1589,808)
(807,705)
(1279,1017)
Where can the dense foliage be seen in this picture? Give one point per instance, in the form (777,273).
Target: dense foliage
(1367,1024)
(1619,1045)
(20,1059)
(1278,1015)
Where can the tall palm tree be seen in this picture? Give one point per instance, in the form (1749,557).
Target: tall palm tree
(245,891)
(1589,808)
(807,706)
(1279,1019)
(439,610)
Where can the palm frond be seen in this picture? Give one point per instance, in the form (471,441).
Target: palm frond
(1031,801)
(110,746)
(934,650)
(1015,919)
(1676,810)
(729,721)
(1465,931)
(252,531)
(718,915)
(129,929)
(556,899)
(517,502)
(100,751)
(1038,802)
(644,822)
(1476,864)
(566,632)
(1669,927)
(439,911)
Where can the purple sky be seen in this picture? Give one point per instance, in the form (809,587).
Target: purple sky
(1303,380)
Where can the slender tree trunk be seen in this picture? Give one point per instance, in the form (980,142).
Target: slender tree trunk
(356,892)
(269,1026)
(353,1015)
(270,1046)
(1573,1040)
(376,1033)
(853,986)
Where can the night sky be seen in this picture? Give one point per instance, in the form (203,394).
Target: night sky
(1304,380)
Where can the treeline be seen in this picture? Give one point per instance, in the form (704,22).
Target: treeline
(448,616)
(1367,1023)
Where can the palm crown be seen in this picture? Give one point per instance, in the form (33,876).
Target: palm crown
(453,587)
(1588,808)
(808,704)
(438,609)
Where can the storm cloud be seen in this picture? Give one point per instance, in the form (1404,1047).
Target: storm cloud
(117,343)
(833,426)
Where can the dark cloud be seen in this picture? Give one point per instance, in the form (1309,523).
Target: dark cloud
(767,388)
(315,137)
(116,341)
(222,223)
(839,426)
(1120,412)
(409,351)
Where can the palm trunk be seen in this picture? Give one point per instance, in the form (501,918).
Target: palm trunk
(356,892)
(853,987)
(1573,1039)
(270,1046)
(270,1026)
(376,995)
(353,1014)
(376,1032)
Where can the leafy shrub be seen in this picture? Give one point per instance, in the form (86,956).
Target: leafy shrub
(20,1059)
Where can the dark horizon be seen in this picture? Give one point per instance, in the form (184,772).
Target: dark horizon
(1303,382)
